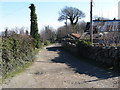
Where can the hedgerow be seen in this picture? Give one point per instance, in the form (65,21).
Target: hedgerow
(17,50)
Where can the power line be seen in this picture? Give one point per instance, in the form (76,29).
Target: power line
(15,11)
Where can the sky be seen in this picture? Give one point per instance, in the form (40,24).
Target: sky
(15,13)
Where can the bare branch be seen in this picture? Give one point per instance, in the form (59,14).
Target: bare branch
(72,14)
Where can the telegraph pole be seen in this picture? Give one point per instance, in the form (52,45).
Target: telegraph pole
(66,24)
(91,21)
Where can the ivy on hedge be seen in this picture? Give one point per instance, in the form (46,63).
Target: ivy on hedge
(17,50)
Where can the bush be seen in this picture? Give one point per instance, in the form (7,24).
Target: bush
(47,42)
(17,50)
(85,42)
(38,44)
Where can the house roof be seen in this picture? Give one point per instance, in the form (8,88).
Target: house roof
(106,20)
(104,25)
(76,35)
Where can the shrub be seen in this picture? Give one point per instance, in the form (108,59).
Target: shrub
(85,42)
(47,42)
(17,50)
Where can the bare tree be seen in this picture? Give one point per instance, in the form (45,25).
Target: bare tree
(79,28)
(115,38)
(22,30)
(61,32)
(72,14)
(111,39)
(8,32)
(48,33)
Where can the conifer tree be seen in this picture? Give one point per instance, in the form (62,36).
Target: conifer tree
(34,25)
(6,32)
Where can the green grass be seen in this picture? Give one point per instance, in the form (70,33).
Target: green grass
(18,71)
(37,50)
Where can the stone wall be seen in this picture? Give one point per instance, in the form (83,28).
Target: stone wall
(107,55)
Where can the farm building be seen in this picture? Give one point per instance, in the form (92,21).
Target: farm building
(104,25)
(105,31)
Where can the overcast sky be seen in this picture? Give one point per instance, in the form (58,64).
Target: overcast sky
(15,13)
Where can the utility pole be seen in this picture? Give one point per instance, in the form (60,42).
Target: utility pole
(91,22)
(66,25)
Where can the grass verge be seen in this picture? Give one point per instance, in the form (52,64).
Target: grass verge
(16,72)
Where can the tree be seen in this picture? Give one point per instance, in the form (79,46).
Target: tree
(22,30)
(27,32)
(48,34)
(79,29)
(72,14)
(6,32)
(34,25)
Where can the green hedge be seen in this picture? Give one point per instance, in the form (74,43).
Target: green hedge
(46,43)
(85,42)
(17,51)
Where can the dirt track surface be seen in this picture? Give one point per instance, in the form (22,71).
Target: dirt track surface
(54,68)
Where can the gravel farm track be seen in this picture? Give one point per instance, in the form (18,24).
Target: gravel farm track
(55,68)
